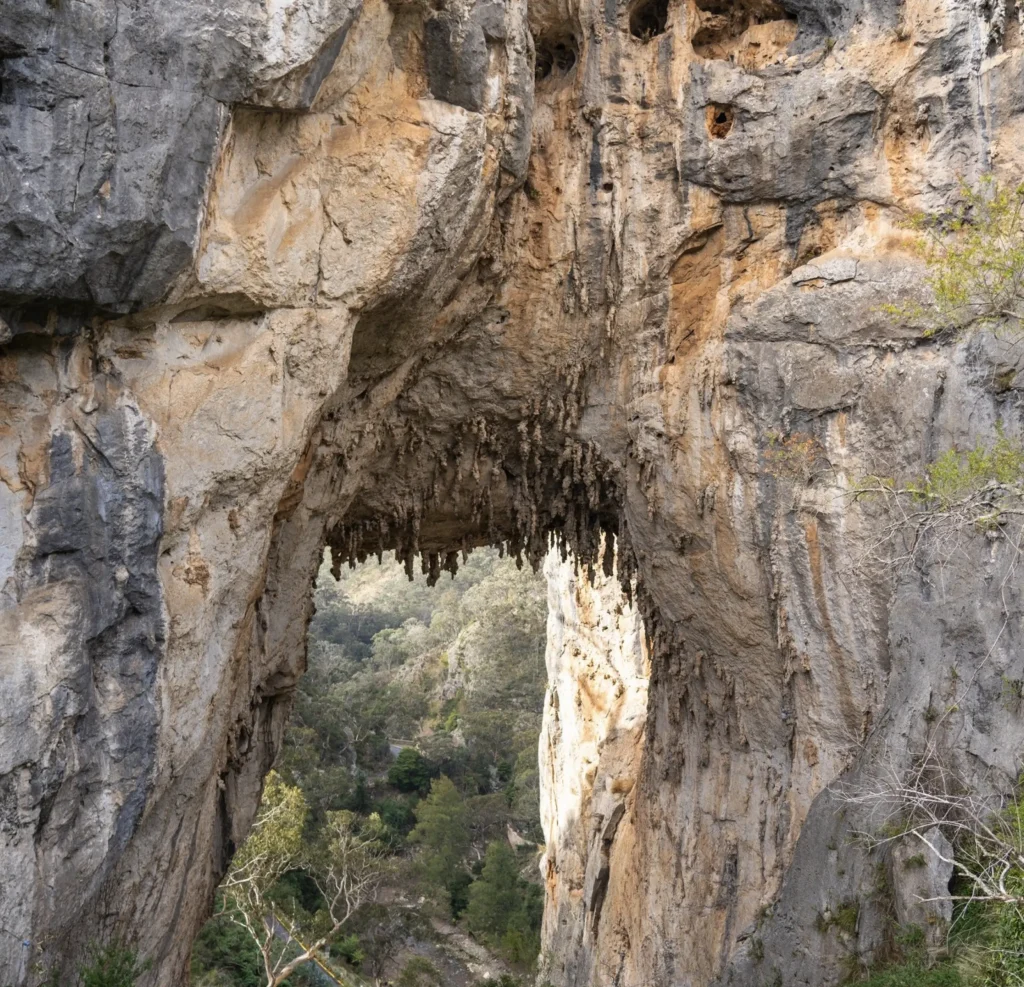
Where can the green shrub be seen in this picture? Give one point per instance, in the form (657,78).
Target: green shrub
(349,950)
(112,966)
(916,975)
(494,898)
(419,972)
(504,908)
(843,918)
(975,258)
(957,474)
(458,893)
(226,949)
(411,771)
(397,814)
(910,937)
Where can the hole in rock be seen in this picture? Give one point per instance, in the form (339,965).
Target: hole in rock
(556,57)
(752,33)
(719,120)
(422,699)
(648,18)
(411,755)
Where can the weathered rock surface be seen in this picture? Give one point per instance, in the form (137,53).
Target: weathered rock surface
(590,751)
(425,276)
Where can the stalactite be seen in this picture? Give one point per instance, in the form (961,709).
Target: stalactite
(526,485)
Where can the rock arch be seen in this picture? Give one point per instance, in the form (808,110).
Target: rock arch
(381,298)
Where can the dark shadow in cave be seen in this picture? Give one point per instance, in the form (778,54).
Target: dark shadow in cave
(648,19)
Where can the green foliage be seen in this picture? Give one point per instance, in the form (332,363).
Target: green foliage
(360,801)
(114,965)
(975,259)
(915,975)
(397,814)
(495,896)
(957,474)
(276,839)
(296,891)
(442,832)
(846,918)
(349,950)
(843,918)
(458,893)
(411,772)
(911,939)
(504,908)
(987,940)
(225,947)
(455,676)
(419,972)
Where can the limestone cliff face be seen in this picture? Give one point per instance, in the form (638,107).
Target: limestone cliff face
(427,276)
(590,755)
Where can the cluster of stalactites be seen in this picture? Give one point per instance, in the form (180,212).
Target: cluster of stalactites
(522,487)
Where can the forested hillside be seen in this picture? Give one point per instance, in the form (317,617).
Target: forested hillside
(416,726)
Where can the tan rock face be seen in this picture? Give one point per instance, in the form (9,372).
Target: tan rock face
(430,276)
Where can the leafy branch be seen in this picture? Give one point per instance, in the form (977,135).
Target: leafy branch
(975,260)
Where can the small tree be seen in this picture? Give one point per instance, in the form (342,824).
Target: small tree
(504,908)
(410,772)
(442,830)
(494,898)
(114,965)
(342,863)
(975,261)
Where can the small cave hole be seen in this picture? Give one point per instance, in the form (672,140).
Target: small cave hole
(648,18)
(719,120)
(608,186)
(556,57)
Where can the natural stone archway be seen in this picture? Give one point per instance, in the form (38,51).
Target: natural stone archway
(286,275)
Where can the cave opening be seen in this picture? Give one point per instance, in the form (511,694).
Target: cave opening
(415,727)
(648,19)
(556,57)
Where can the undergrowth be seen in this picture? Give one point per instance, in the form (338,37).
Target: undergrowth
(915,975)
(114,965)
(985,943)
